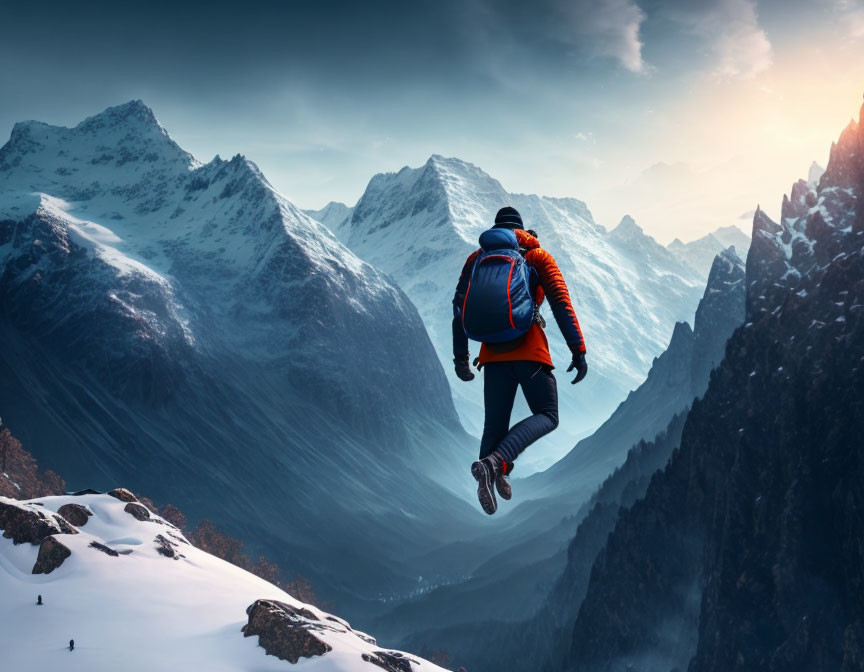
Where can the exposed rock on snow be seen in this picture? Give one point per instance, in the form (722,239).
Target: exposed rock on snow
(76,514)
(167,547)
(52,553)
(392,661)
(285,631)
(137,511)
(123,495)
(28,523)
(105,549)
(111,590)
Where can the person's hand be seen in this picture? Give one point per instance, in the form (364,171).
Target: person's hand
(581,367)
(463,369)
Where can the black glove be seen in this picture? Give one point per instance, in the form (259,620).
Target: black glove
(463,370)
(580,365)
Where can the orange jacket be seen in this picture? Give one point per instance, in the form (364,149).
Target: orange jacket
(534,346)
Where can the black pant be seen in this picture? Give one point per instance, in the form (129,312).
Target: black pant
(500,380)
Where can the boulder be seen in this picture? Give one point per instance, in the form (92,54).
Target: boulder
(75,514)
(123,495)
(51,555)
(107,550)
(392,661)
(25,524)
(137,511)
(285,631)
(168,548)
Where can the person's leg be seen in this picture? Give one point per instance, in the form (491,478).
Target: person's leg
(499,392)
(541,393)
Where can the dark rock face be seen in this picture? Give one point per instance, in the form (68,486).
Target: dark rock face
(75,514)
(167,547)
(285,631)
(746,552)
(392,661)
(137,511)
(52,553)
(676,377)
(107,550)
(24,524)
(719,313)
(123,495)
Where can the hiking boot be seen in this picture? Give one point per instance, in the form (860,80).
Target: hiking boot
(502,485)
(485,472)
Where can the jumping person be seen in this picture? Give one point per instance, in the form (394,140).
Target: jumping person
(497,302)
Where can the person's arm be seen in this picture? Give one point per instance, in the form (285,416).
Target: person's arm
(555,289)
(460,340)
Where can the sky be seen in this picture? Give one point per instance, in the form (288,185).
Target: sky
(683,114)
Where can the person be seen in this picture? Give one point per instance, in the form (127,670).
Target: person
(523,361)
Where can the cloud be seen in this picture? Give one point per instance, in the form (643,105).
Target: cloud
(612,28)
(731,29)
(742,47)
(851,14)
(592,28)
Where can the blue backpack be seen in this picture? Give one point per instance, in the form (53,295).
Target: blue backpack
(499,301)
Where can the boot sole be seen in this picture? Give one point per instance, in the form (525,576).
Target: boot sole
(485,491)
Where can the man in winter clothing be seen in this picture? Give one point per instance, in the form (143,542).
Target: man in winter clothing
(523,362)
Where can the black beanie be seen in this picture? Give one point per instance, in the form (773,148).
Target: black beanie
(508,218)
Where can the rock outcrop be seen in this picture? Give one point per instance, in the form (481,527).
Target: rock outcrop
(137,511)
(52,553)
(76,514)
(123,495)
(392,661)
(285,631)
(27,523)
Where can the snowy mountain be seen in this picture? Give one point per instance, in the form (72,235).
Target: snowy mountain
(183,328)
(131,592)
(699,254)
(335,216)
(420,224)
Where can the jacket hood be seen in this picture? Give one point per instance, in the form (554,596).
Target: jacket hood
(526,240)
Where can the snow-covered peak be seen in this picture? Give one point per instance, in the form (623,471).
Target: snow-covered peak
(627,227)
(126,585)
(816,222)
(115,147)
(335,216)
(814,174)
(420,224)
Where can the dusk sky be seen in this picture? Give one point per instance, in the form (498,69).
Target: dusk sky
(683,114)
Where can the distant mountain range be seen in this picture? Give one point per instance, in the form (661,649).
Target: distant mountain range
(420,224)
(699,253)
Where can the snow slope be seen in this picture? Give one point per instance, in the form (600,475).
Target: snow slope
(142,610)
(420,224)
